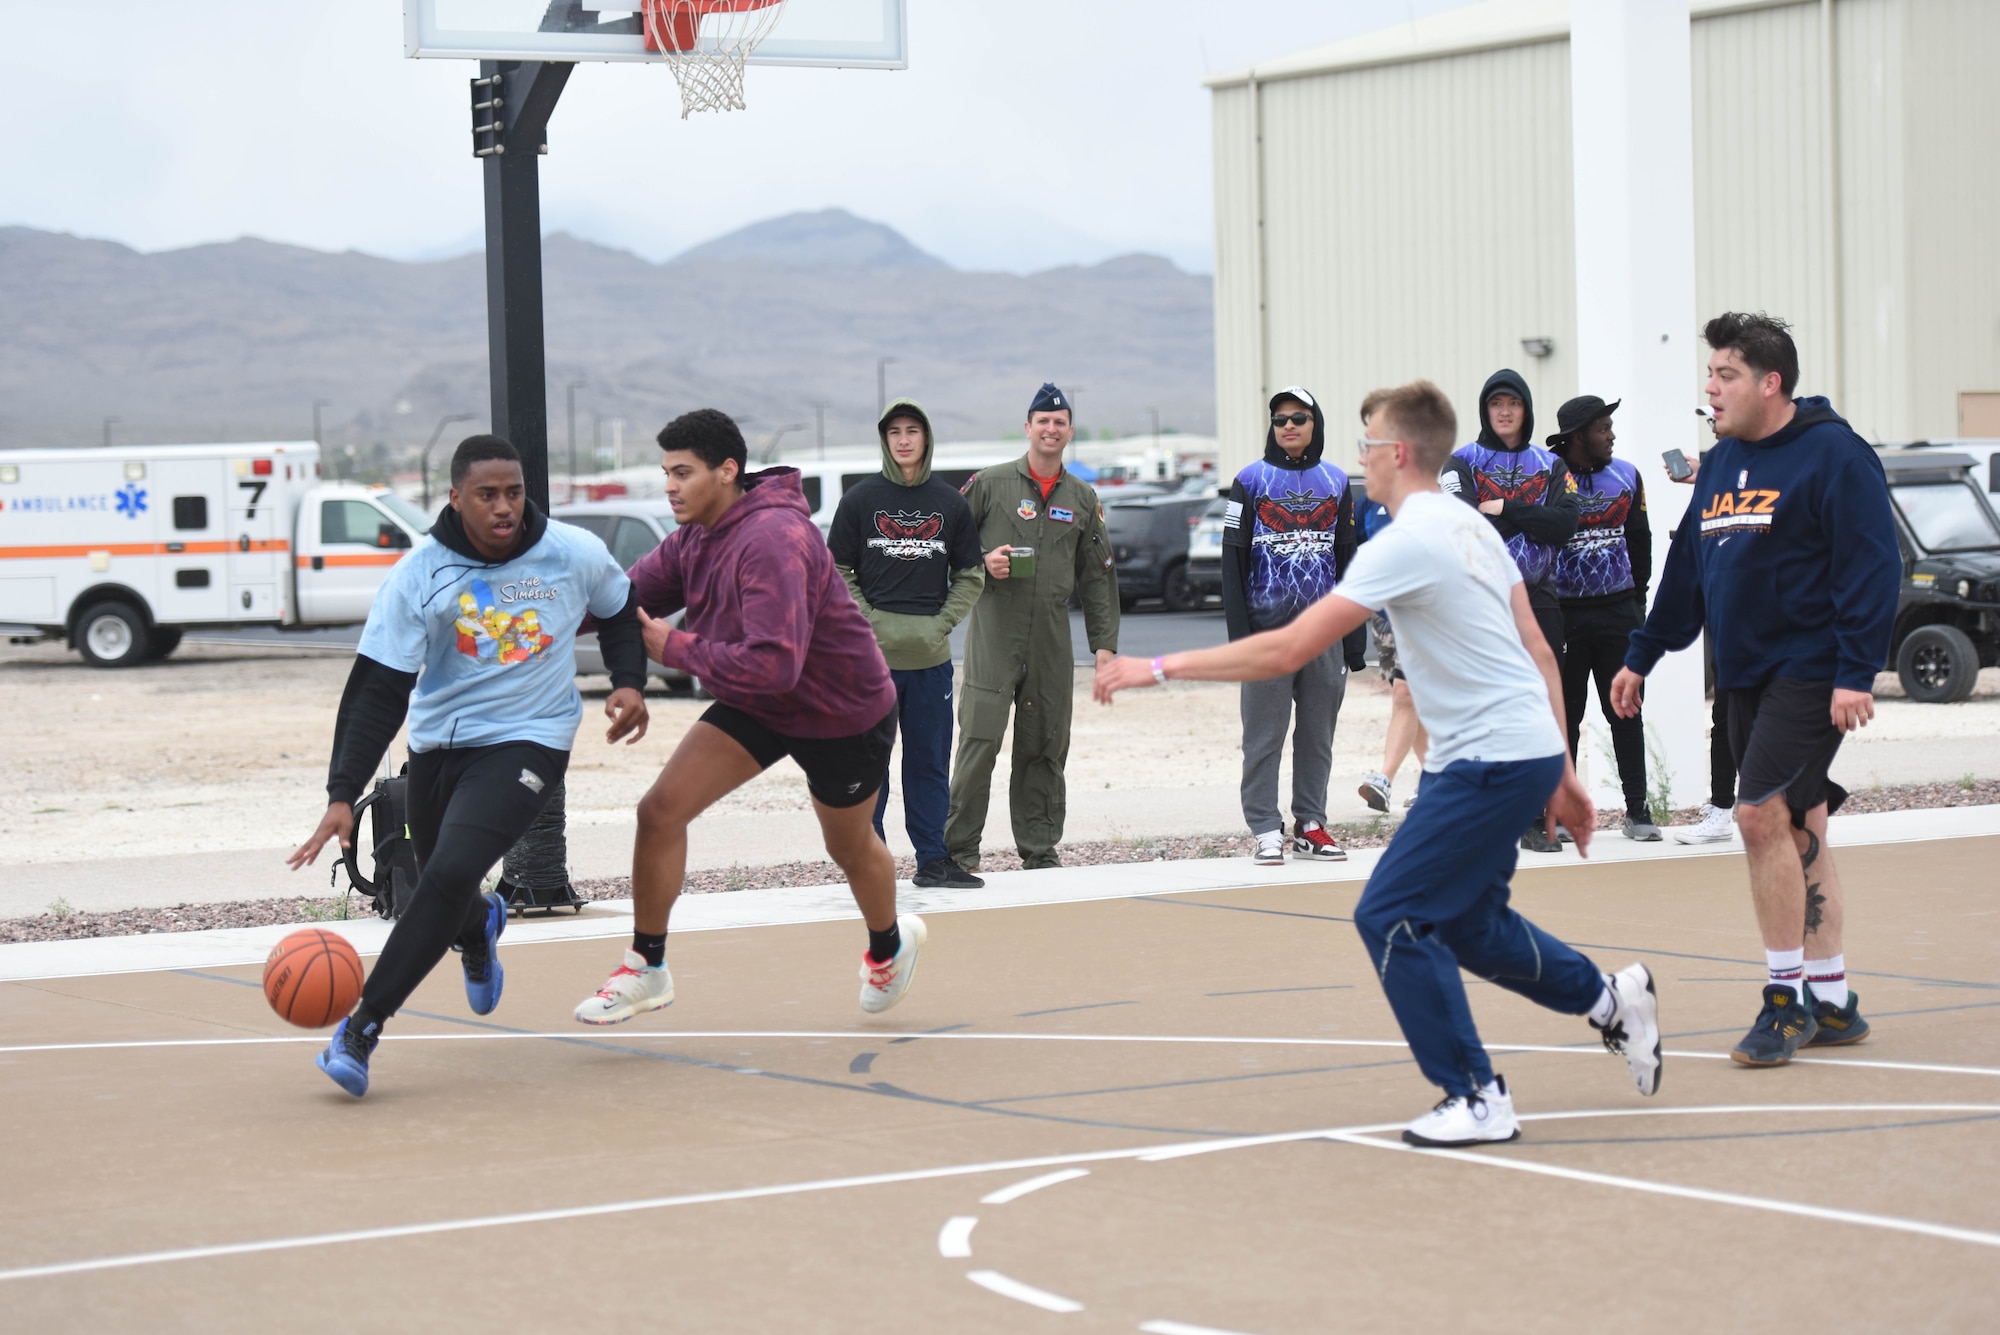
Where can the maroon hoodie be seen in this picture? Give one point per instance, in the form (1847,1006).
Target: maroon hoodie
(770,627)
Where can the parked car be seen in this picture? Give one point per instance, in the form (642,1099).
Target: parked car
(1204,567)
(1149,541)
(631,529)
(1948,614)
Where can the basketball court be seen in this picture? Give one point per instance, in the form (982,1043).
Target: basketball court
(1161,1098)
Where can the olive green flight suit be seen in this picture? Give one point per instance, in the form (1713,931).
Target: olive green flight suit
(1018,655)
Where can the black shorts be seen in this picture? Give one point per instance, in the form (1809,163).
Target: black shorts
(840,771)
(1784,741)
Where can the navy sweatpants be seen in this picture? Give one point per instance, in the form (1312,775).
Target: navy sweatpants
(1438,901)
(923,713)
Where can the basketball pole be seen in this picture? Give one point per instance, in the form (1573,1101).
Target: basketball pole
(511,105)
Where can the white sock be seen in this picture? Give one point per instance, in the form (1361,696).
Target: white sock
(1829,979)
(1787,968)
(1606,1007)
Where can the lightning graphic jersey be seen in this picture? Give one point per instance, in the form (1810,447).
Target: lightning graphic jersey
(1528,476)
(1297,525)
(1598,561)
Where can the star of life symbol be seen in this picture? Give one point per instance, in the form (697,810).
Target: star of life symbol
(131,500)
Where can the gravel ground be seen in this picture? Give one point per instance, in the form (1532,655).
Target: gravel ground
(1374,834)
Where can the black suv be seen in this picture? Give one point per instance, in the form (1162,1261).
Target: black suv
(1948,615)
(1149,541)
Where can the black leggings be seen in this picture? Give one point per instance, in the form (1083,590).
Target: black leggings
(1598,638)
(468,806)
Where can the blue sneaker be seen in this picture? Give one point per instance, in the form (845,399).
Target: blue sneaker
(1838,1025)
(345,1060)
(484,978)
(1783,1027)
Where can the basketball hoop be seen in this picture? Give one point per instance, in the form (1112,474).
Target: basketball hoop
(705,43)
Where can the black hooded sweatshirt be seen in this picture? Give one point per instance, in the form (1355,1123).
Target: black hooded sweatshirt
(1539,509)
(377,696)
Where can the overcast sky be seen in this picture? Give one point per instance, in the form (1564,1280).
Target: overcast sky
(1025,133)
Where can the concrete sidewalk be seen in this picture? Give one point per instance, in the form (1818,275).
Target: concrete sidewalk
(758,908)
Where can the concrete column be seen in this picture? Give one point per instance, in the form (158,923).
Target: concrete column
(1638,336)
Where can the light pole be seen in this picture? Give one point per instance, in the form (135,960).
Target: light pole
(1071,391)
(771,445)
(819,425)
(317,405)
(107,430)
(882,386)
(431,444)
(570,393)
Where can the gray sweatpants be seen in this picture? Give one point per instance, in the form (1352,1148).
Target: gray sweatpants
(1307,702)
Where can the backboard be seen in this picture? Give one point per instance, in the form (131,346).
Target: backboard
(848,34)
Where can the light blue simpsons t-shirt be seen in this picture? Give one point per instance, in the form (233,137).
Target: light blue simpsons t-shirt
(493,646)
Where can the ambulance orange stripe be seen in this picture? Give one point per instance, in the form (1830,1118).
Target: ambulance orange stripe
(368,559)
(140,549)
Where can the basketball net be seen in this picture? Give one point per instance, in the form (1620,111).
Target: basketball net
(705,43)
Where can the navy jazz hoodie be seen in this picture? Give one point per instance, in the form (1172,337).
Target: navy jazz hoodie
(1788,555)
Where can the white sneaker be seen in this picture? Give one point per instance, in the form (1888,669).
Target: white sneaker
(1374,791)
(883,985)
(1410,801)
(1634,1031)
(633,988)
(1485,1118)
(1717,826)
(1270,849)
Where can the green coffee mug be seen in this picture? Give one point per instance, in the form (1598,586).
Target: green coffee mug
(1021,563)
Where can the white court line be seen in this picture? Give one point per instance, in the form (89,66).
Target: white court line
(876,1036)
(1023,1293)
(1020,1189)
(1819,1212)
(875,1180)
(955,1238)
(1182,1328)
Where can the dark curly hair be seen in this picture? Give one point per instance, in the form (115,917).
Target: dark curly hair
(477,450)
(710,435)
(1761,341)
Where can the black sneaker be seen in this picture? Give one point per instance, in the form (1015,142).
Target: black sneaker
(1782,1028)
(1537,840)
(944,874)
(1838,1025)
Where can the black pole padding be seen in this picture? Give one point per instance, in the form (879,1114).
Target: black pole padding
(526,94)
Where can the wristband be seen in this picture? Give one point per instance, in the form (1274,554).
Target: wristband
(1160,670)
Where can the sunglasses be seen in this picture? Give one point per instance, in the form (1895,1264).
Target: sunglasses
(1296,419)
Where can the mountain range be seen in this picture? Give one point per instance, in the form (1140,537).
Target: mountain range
(238,340)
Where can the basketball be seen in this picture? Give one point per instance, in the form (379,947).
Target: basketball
(312,978)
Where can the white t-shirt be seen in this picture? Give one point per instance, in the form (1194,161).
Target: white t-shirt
(1446,580)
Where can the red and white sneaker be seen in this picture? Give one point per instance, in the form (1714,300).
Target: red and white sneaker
(1310,840)
(883,985)
(633,988)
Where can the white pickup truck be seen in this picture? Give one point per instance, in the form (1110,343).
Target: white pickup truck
(119,551)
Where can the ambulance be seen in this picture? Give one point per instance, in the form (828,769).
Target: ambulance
(121,551)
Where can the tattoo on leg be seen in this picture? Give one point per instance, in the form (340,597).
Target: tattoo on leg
(1815,901)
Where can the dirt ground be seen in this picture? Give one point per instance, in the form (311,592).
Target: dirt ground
(224,748)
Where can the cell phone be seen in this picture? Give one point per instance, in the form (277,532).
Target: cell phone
(1678,467)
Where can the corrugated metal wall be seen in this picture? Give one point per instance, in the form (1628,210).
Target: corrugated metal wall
(1952,137)
(1417,224)
(1418,219)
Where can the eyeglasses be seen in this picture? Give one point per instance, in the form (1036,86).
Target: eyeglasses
(1296,419)
(1367,443)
